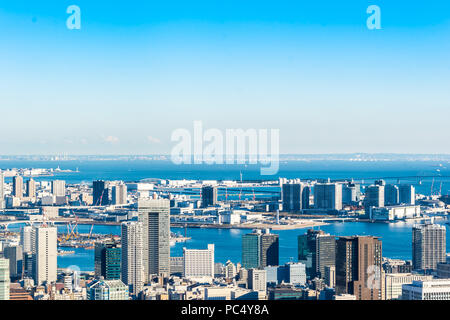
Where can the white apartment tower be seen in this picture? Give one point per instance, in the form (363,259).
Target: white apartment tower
(199,264)
(132,256)
(45,254)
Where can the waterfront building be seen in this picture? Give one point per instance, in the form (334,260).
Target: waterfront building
(257,280)
(437,289)
(260,249)
(391,195)
(328,196)
(316,249)
(292,196)
(119,194)
(209,196)
(351,193)
(154,214)
(17,188)
(100,193)
(107,260)
(59,188)
(44,254)
(199,263)
(107,290)
(132,256)
(374,196)
(394,282)
(391,213)
(4,279)
(407,194)
(357,259)
(428,246)
(15,256)
(31,188)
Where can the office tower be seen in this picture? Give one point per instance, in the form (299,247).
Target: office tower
(328,196)
(44,254)
(330,276)
(25,238)
(350,193)
(2,190)
(154,215)
(305,197)
(15,256)
(391,195)
(199,264)
(119,194)
(107,290)
(290,273)
(17,190)
(100,193)
(436,289)
(316,249)
(407,194)
(260,249)
(209,196)
(257,280)
(59,188)
(107,261)
(30,188)
(291,194)
(132,256)
(4,279)
(394,282)
(374,196)
(428,246)
(358,267)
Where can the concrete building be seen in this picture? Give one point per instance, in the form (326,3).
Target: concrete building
(330,276)
(107,290)
(31,189)
(17,189)
(391,213)
(199,263)
(428,246)
(25,238)
(328,196)
(351,193)
(59,188)
(2,190)
(155,218)
(132,256)
(437,289)
(394,282)
(290,273)
(45,254)
(119,194)
(257,280)
(15,256)
(407,194)
(4,279)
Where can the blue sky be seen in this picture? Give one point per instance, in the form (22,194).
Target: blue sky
(135,72)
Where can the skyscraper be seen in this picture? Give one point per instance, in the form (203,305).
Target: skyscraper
(100,194)
(350,193)
(374,196)
(209,196)
(428,246)
(391,195)
(25,238)
(291,194)
(31,188)
(260,249)
(59,188)
(17,186)
(198,263)
(15,256)
(407,194)
(132,256)
(119,194)
(4,279)
(358,267)
(316,249)
(107,261)
(328,196)
(45,254)
(154,214)
(2,190)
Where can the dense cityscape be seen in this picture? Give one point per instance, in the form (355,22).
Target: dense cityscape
(138,264)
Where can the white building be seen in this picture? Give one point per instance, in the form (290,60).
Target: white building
(199,264)
(393,283)
(132,256)
(119,194)
(45,254)
(438,289)
(4,279)
(257,280)
(25,238)
(391,213)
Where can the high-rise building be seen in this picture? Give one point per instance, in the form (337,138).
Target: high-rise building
(44,254)
(328,196)
(2,190)
(199,263)
(358,267)
(31,188)
(107,261)
(292,197)
(100,193)
(107,290)
(391,195)
(407,194)
(350,193)
(316,249)
(59,188)
(428,246)
(25,238)
(15,256)
(374,196)
(209,196)
(257,280)
(393,283)
(154,214)
(132,256)
(330,276)
(119,194)
(4,279)
(17,189)
(260,249)
(436,289)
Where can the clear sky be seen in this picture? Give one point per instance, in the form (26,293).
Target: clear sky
(137,70)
